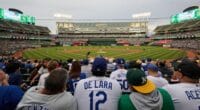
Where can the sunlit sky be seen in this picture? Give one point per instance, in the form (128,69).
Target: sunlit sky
(81,10)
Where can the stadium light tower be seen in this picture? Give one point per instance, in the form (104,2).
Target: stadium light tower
(142,16)
(62,19)
(65,16)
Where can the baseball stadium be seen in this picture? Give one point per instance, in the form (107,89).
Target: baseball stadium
(80,65)
(110,39)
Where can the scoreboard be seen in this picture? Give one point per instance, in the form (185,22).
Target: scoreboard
(188,15)
(10,15)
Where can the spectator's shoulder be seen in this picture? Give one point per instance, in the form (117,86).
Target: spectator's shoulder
(13,88)
(169,87)
(82,81)
(14,91)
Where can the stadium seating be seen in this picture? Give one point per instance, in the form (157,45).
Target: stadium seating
(22,28)
(187,26)
(15,36)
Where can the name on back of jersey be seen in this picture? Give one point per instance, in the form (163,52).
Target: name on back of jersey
(193,94)
(98,84)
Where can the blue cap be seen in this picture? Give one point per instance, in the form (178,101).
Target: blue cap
(120,61)
(152,67)
(99,65)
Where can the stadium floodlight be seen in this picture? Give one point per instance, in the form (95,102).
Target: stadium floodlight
(142,15)
(59,15)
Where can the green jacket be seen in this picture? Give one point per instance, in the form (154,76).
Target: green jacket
(125,102)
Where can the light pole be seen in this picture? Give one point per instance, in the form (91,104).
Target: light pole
(63,18)
(142,17)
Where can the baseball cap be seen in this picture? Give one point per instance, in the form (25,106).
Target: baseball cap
(139,81)
(189,69)
(152,67)
(99,64)
(120,61)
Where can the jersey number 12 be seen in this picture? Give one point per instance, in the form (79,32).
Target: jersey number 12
(97,103)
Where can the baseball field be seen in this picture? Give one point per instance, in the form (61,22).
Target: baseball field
(80,52)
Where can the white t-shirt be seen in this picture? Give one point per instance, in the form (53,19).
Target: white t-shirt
(158,81)
(97,93)
(120,76)
(42,80)
(42,70)
(186,96)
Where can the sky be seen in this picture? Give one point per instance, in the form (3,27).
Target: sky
(81,10)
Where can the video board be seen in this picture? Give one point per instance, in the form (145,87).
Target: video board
(9,15)
(189,15)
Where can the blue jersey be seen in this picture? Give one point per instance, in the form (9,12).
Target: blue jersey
(10,97)
(73,82)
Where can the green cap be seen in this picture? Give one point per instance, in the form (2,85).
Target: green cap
(139,81)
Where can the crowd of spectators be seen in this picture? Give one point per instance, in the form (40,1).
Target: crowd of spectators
(119,41)
(76,85)
(12,42)
(186,44)
(134,41)
(11,46)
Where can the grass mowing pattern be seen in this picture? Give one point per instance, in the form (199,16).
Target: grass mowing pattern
(129,53)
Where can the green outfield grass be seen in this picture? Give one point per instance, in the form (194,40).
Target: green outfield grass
(129,52)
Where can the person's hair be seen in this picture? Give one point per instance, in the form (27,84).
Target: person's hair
(134,64)
(28,61)
(45,62)
(75,69)
(143,60)
(56,81)
(35,61)
(162,64)
(189,69)
(70,60)
(65,66)
(149,59)
(12,67)
(52,65)
(98,73)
